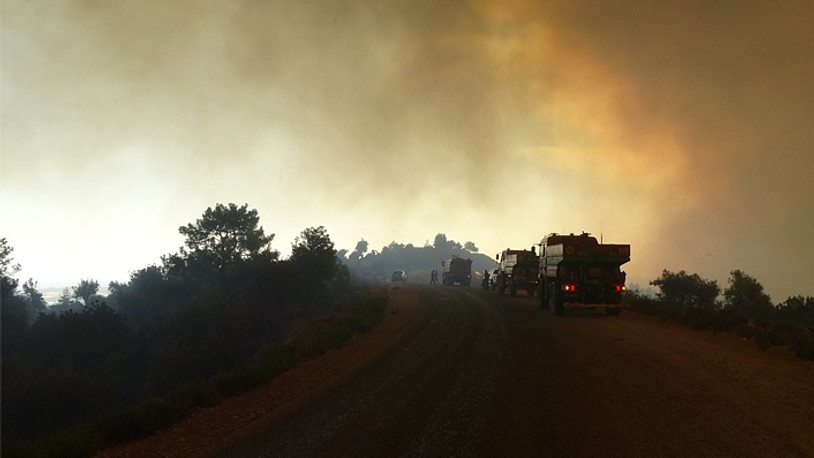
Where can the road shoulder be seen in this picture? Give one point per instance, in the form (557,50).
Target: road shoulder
(209,429)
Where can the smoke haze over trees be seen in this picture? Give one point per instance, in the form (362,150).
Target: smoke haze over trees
(418,262)
(682,128)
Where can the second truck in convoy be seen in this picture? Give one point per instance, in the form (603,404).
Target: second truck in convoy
(517,271)
(456,270)
(576,271)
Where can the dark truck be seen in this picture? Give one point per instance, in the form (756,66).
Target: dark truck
(576,271)
(457,270)
(517,270)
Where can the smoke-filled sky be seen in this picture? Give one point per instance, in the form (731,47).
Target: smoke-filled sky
(683,128)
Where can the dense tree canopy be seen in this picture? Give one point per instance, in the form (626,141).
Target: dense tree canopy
(797,309)
(85,289)
(224,235)
(213,304)
(442,243)
(684,290)
(7,265)
(746,295)
(314,251)
(8,268)
(14,314)
(360,250)
(35,302)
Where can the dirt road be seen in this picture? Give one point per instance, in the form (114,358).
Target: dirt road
(465,372)
(591,385)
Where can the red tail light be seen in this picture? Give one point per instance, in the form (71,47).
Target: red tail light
(570,288)
(620,288)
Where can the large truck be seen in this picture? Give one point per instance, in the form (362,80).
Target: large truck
(576,271)
(457,270)
(517,270)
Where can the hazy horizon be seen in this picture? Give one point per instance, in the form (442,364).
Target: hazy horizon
(682,129)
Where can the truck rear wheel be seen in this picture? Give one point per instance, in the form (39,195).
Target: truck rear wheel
(555,302)
(543,298)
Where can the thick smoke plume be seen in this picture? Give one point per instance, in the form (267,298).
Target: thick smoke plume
(681,128)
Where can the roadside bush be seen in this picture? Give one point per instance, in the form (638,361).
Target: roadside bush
(784,334)
(747,331)
(643,304)
(158,412)
(695,318)
(763,339)
(138,421)
(727,320)
(746,310)
(74,442)
(683,290)
(804,345)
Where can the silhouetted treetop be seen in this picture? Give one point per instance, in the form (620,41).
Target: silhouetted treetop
(225,234)
(7,265)
(684,290)
(360,250)
(314,250)
(85,289)
(746,295)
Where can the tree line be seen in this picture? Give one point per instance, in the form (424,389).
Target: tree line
(417,261)
(743,307)
(200,312)
(182,331)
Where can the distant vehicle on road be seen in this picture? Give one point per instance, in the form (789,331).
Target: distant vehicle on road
(457,270)
(398,276)
(517,270)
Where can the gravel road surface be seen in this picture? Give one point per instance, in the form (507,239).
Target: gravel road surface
(463,372)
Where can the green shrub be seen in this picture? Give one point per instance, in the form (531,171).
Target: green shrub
(784,334)
(74,442)
(763,339)
(139,421)
(747,331)
(804,345)
(696,318)
(154,413)
(726,320)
